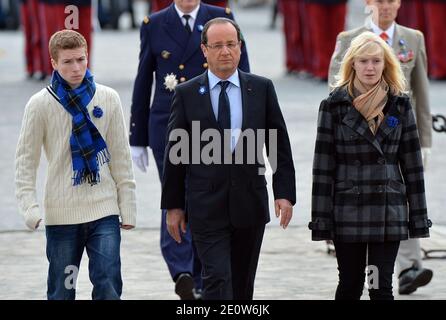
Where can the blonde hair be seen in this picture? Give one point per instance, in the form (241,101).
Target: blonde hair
(65,39)
(367,44)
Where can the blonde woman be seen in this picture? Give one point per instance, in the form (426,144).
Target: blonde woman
(368,185)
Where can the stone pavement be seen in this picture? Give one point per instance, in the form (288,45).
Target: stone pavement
(290,267)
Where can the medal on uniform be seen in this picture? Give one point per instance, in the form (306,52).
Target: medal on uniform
(170,81)
(165,54)
(404,55)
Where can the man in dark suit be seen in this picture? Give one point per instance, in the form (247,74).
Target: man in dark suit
(170,45)
(226,202)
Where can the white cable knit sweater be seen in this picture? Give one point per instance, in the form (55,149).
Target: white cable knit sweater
(46,123)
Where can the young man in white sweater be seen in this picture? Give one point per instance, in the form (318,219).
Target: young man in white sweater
(90,183)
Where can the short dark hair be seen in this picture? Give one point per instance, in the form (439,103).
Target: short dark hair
(65,39)
(204,33)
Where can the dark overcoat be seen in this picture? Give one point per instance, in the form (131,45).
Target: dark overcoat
(367,188)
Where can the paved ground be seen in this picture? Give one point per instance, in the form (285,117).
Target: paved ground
(291,266)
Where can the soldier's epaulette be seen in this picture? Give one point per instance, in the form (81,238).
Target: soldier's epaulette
(146,20)
(419,33)
(228,10)
(342,34)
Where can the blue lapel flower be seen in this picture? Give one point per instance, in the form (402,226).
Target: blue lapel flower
(200,27)
(392,122)
(97,112)
(202,90)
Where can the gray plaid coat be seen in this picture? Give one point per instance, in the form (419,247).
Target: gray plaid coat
(367,188)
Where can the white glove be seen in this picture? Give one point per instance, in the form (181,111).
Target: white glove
(140,157)
(425,155)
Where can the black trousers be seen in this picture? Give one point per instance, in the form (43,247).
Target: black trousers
(229,258)
(352,260)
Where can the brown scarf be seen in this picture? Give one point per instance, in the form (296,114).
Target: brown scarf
(370,103)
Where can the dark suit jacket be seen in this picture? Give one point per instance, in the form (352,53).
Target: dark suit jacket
(367,188)
(167,48)
(222,194)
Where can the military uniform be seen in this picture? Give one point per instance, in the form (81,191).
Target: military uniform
(157,5)
(167,48)
(293,31)
(310,28)
(32,27)
(408,45)
(435,17)
(27,18)
(323,19)
(428,16)
(411,14)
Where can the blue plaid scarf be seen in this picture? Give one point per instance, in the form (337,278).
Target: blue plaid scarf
(88,148)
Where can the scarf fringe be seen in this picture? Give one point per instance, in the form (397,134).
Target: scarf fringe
(82,176)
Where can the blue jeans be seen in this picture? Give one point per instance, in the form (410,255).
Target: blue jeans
(64,249)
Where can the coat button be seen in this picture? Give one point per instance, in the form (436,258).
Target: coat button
(356,190)
(233,183)
(380,189)
(381,160)
(182,79)
(181,66)
(357,163)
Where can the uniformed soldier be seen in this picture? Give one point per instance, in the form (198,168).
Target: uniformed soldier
(435,21)
(32,27)
(292,12)
(170,54)
(26,18)
(408,45)
(157,5)
(310,28)
(323,19)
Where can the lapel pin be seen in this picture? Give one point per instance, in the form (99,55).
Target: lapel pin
(202,90)
(200,27)
(392,121)
(97,112)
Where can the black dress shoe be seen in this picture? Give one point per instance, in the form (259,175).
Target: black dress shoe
(411,279)
(184,287)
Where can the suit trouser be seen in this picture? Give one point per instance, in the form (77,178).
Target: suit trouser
(179,257)
(229,257)
(409,255)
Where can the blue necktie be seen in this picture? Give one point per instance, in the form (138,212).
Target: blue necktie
(224,111)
